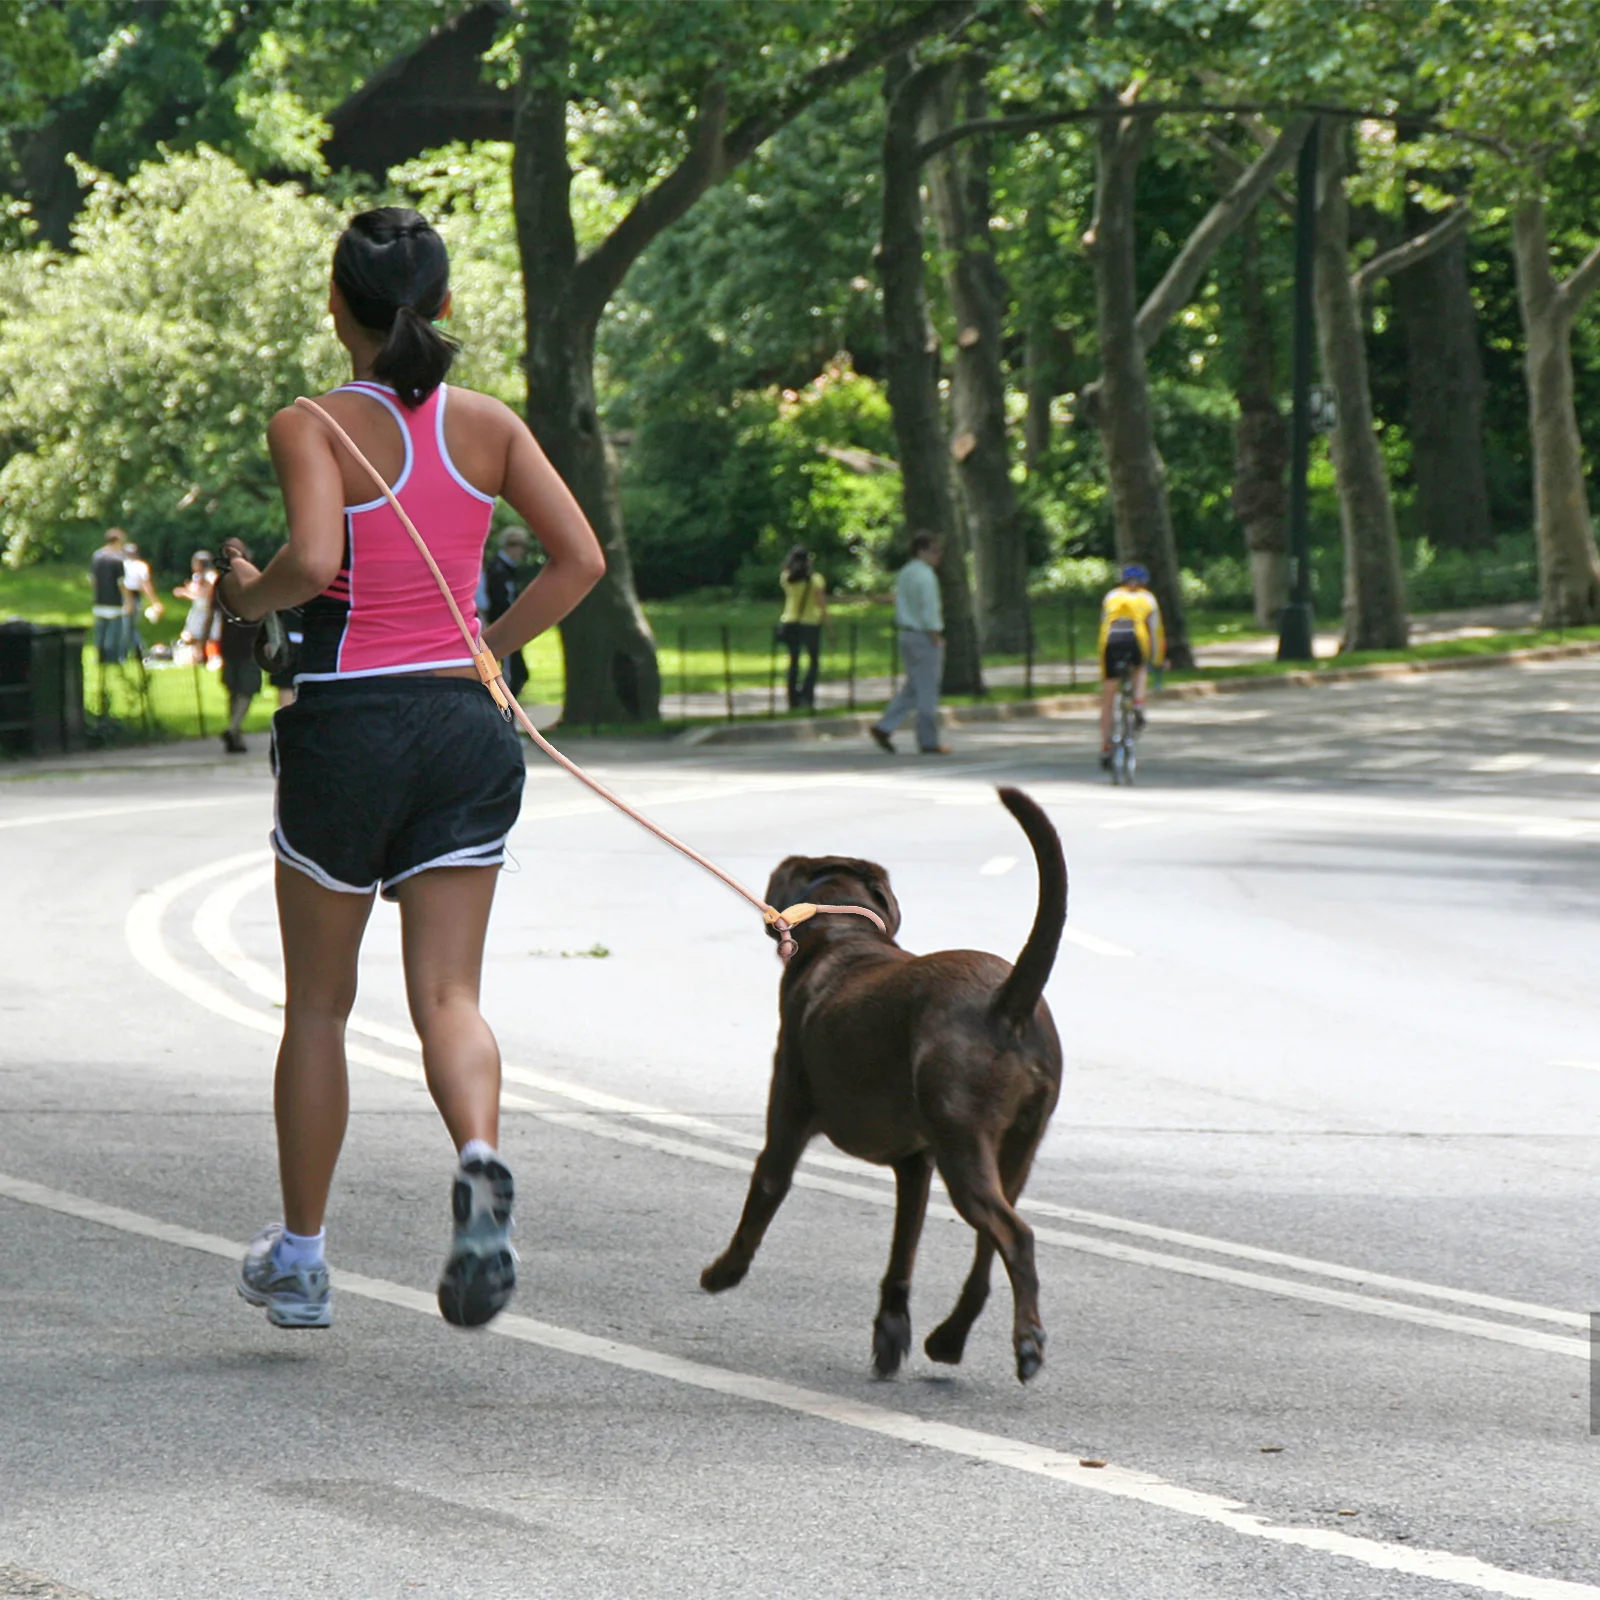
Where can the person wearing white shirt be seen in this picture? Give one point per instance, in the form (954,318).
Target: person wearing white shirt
(919,615)
(138,588)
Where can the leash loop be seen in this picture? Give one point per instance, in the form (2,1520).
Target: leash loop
(782,923)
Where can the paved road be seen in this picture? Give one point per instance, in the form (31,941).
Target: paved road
(1316,1212)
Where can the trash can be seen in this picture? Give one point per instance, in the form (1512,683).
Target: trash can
(41,688)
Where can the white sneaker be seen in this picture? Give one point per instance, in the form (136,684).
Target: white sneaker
(294,1297)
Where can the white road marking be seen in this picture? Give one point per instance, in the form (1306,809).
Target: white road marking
(144,926)
(1512,761)
(1059,1465)
(1132,822)
(1093,942)
(1585,1066)
(997,866)
(41,819)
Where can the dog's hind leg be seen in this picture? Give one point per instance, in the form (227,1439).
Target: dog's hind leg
(971,1174)
(789,1131)
(948,1342)
(891,1329)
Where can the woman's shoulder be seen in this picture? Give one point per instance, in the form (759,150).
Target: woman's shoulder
(482,408)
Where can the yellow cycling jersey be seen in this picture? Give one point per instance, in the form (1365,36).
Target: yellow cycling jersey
(1135,608)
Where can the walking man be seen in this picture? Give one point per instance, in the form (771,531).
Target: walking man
(919,616)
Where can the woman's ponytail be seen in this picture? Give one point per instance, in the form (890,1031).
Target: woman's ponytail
(415,357)
(394,273)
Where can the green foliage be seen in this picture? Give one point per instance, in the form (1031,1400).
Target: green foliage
(137,375)
(717,495)
(770,275)
(37,60)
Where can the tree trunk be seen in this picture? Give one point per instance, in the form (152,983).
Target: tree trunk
(959,182)
(1569,567)
(1374,582)
(1127,429)
(1445,390)
(606,644)
(1260,439)
(911,366)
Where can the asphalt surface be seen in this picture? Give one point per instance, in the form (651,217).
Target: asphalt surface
(1316,1213)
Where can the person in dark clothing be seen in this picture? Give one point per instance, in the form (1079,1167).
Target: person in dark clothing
(499,589)
(241,676)
(106,568)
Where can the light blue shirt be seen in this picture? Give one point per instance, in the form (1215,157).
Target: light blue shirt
(916,598)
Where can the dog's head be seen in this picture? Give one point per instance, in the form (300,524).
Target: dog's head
(835,881)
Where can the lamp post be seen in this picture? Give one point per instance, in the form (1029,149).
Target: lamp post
(1296,624)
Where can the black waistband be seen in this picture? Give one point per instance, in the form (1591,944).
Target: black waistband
(388,683)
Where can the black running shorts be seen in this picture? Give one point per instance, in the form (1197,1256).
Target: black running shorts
(1122,650)
(382,778)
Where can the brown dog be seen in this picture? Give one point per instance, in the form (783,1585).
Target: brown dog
(947,1060)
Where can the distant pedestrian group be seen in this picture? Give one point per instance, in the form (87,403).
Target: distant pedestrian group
(122,589)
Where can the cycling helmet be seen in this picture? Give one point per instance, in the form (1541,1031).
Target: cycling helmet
(1134,573)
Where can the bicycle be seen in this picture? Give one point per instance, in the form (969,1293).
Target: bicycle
(1125,725)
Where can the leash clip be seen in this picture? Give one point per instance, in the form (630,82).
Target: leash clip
(489,670)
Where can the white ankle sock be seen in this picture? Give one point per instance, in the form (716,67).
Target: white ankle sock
(300,1249)
(478,1150)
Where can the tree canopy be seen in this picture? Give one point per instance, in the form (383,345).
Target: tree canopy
(666,229)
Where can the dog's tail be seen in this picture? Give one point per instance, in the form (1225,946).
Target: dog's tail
(1016,998)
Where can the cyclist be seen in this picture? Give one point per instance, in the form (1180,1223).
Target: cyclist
(1131,635)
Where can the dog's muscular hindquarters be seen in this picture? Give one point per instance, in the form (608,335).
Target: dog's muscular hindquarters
(947,1060)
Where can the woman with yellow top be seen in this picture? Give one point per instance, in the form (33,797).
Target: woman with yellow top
(805,609)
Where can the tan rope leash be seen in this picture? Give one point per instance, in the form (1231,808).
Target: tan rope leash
(782,922)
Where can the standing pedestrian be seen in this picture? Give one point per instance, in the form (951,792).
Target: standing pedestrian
(138,591)
(496,593)
(919,616)
(241,676)
(396,772)
(197,591)
(106,567)
(805,609)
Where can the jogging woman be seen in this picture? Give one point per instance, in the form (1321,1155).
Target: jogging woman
(396,773)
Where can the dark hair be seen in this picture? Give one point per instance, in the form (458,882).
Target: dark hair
(797,564)
(394,274)
(923,541)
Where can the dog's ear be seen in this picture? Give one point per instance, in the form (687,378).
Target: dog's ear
(875,880)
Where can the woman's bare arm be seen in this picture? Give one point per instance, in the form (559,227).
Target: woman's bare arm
(575,562)
(313,503)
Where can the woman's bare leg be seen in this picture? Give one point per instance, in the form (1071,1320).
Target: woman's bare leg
(322,931)
(444,918)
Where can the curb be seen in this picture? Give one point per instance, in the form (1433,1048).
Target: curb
(812,730)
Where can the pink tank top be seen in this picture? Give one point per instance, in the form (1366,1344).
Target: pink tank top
(383,613)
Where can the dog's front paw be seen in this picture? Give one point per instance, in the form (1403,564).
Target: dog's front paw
(723,1273)
(1030,1354)
(891,1342)
(946,1344)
